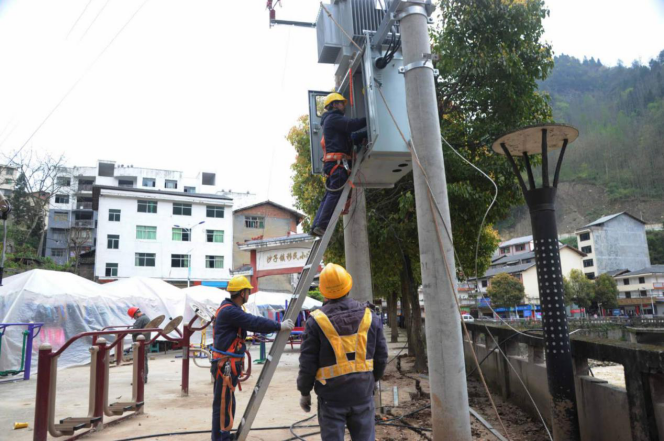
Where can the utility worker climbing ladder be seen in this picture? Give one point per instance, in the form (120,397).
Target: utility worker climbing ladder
(342,356)
(229,333)
(339,135)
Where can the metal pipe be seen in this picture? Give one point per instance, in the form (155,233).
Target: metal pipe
(449,394)
(101,386)
(139,382)
(4,247)
(560,163)
(545,160)
(186,340)
(41,397)
(515,168)
(529,170)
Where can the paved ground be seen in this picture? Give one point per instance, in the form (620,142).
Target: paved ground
(166,411)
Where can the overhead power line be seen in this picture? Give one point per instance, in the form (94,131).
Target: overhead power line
(79,17)
(71,89)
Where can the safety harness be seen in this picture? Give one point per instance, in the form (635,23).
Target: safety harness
(343,345)
(225,366)
(341,159)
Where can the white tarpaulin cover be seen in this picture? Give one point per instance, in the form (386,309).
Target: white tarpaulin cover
(265,303)
(154,297)
(207,297)
(66,304)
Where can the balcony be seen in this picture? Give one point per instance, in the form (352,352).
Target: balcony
(87,223)
(84,205)
(84,188)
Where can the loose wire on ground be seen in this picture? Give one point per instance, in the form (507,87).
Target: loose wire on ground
(296,423)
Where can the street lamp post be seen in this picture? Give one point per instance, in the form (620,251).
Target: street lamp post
(189,255)
(526,142)
(5,208)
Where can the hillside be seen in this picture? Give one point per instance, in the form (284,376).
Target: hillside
(617,162)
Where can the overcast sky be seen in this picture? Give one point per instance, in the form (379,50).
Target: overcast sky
(204,86)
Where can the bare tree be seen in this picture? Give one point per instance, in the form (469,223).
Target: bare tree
(77,238)
(38,173)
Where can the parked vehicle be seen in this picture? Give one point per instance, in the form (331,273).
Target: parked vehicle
(467,318)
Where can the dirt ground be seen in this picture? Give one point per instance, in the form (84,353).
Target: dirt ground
(167,412)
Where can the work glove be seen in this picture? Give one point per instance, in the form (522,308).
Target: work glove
(305,402)
(287,324)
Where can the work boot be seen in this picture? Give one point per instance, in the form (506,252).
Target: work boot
(317,231)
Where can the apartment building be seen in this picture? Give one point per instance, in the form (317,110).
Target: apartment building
(613,242)
(181,237)
(641,291)
(72,222)
(8,177)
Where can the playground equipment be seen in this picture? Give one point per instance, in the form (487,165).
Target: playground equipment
(99,380)
(26,350)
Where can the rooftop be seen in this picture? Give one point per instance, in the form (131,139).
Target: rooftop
(300,216)
(605,219)
(96,191)
(516,241)
(653,269)
(507,269)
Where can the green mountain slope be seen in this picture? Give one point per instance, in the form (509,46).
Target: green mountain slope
(620,114)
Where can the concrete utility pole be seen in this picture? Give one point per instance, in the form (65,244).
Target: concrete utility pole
(447,374)
(356,244)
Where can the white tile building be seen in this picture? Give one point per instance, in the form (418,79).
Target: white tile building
(166,234)
(642,290)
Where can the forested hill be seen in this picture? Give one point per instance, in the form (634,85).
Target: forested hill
(619,112)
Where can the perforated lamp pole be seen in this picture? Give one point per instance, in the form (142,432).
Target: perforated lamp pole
(541,203)
(450,415)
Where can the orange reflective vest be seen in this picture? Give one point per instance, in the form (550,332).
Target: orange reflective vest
(344,344)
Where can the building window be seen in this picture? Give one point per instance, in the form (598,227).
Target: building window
(147,206)
(215,236)
(125,183)
(171,184)
(114,215)
(254,221)
(149,182)
(146,259)
(179,261)
(59,252)
(628,295)
(61,199)
(587,263)
(626,281)
(504,250)
(63,181)
(590,276)
(485,283)
(215,211)
(190,189)
(113,242)
(643,293)
(519,247)
(642,280)
(182,209)
(9,181)
(214,261)
(61,216)
(181,234)
(111,270)
(144,232)
(587,249)
(584,237)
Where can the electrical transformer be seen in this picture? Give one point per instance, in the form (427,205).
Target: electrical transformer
(361,76)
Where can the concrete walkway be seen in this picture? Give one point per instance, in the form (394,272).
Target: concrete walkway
(165,410)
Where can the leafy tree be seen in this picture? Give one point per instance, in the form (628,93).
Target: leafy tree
(315,294)
(571,241)
(656,247)
(578,289)
(490,59)
(606,291)
(506,290)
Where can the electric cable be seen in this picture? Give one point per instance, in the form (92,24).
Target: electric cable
(295,424)
(94,20)
(79,17)
(76,83)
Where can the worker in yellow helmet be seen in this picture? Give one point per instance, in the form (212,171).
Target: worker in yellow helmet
(229,333)
(342,356)
(339,135)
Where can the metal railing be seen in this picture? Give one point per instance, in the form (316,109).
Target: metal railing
(84,187)
(26,351)
(84,205)
(87,223)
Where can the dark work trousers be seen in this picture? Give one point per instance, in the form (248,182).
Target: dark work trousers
(334,418)
(217,434)
(334,182)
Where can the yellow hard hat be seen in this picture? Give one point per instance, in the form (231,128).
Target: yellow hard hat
(335,282)
(332,98)
(238,283)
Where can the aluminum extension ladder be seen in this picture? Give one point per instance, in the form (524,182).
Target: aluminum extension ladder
(306,277)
